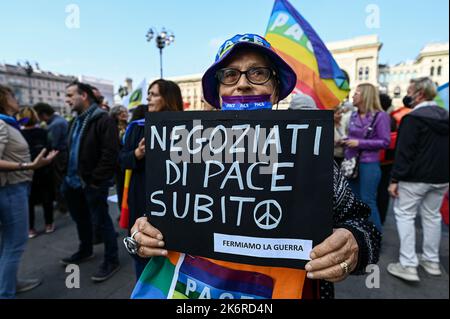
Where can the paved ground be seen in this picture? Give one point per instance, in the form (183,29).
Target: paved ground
(43,253)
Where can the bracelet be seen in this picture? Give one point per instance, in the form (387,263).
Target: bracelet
(23,166)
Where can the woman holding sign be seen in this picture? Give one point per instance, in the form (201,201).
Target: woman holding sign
(162,96)
(249,75)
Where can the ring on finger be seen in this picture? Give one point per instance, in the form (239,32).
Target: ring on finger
(344,267)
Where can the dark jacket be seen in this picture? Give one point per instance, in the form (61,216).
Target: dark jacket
(127,160)
(351,214)
(42,185)
(99,148)
(422,154)
(57,132)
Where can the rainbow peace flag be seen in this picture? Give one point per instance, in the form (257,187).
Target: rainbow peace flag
(318,74)
(124,210)
(182,276)
(442,97)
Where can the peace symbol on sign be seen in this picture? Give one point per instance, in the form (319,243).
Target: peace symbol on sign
(270,218)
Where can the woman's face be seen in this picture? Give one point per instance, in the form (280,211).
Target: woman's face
(243,62)
(12,107)
(155,100)
(357,98)
(123,115)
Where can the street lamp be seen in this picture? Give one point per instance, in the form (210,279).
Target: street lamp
(123,91)
(163,39)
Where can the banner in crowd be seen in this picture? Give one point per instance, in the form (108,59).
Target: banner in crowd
(248,187)
(181,276)
(319,76)
(137,97)
(442,98)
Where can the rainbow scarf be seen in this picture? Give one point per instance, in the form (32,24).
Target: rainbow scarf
(181,276)
(318,74)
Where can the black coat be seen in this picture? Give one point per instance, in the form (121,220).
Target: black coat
(42,185)
(422,154)
(99,149)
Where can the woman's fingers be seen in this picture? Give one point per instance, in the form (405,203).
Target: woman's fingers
(143,226)
(333,274)
(147,241)
(335,270)
(335,258)
(334,242)
(330,260)
(146,252)
(41,155)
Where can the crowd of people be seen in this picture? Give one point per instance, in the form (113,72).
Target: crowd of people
(400,154)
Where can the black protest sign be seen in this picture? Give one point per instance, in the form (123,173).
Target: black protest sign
(252,187)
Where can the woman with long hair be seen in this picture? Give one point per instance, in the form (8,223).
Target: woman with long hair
(368,133)
(16,173)
(42,185)
(163,96)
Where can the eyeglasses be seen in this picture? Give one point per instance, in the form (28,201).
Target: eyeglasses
(258,76)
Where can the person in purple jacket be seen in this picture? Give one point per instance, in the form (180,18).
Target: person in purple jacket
(369,132)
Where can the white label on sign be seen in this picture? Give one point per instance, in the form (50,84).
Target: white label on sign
(263,247)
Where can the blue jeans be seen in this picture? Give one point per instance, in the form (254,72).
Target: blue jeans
(89,208)
(14,234)
(365,187)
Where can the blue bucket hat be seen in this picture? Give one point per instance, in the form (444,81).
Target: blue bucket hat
(285,74)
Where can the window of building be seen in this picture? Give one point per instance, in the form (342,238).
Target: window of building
(367,73)
(397,92)
(39,92)
(439,71)
(58,94)
(360,74)
(432,71)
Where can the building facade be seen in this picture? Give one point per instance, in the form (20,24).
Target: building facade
(359,58)
(432,61)
(32,85)
(106,87)
(191,91)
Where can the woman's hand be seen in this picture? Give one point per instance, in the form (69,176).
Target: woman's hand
(335,258)
(139,152)
(41,161)
(351,143)
(149,238)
